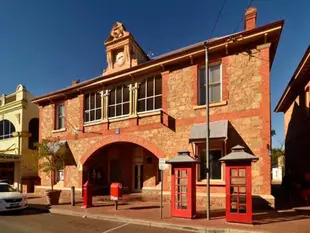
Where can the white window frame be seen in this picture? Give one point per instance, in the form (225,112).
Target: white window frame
(150,97)
(117,104)
(58,117)
(6,136)
(93,109)
(210,84)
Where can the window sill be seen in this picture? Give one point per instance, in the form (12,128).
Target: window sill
(150,113)
(212,182)
(59,130)
(217,104)
(92,123)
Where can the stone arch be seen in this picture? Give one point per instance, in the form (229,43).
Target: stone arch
(122,138)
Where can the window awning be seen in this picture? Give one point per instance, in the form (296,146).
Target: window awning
(218,130)
(56,147)
(63,148)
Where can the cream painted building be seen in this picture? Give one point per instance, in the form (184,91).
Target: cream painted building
(18,131)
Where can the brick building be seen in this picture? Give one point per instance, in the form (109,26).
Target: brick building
(295,104)
(117,125)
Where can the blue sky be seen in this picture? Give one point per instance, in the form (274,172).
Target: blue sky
(46,44)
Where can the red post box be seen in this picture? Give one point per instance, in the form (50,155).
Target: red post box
(116,193)
(88,195)
(238,185)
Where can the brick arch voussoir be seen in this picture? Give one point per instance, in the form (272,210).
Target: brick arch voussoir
(122,138)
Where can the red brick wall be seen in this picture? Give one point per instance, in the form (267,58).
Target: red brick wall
(245,88)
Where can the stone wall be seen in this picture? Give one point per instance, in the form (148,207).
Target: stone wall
(245,103)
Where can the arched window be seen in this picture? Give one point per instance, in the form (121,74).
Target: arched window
(6,129)
(34,130)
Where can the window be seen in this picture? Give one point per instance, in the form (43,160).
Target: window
(119,101)
(149,94)
(215,164)
(60,175)
(92,103)
(34,130)
(215,84)
(60,116)
(6,129)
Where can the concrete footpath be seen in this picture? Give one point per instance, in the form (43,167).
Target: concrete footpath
(148,214)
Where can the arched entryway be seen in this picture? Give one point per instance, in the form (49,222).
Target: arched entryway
(125,162)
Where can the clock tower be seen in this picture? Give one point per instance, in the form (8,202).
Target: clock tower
(122,50)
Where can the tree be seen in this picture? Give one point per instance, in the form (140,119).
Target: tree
(276,153)
(49,156)
(273,133)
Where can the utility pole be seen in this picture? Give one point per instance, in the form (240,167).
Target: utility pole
(207,130)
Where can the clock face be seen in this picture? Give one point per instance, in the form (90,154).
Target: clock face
(119,59)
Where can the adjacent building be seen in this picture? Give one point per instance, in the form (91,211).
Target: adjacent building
(295,104)
(116,126)
(19,130)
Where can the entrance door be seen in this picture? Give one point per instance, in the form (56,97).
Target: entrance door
(138,177)
(7,172)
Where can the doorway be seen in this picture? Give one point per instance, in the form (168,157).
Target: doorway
(138,178)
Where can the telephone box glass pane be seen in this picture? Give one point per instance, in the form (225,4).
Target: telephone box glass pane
(242,172)
(242,209)
(233,199)
(242,190)
(234,172)
(238,180)
(184,189)
(233,190)
(233,208)
(184,173)
(184,205)
(183,181)
(242,199)
(184,197)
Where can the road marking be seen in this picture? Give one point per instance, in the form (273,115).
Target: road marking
(115,228)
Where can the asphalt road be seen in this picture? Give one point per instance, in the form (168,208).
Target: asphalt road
(31,221)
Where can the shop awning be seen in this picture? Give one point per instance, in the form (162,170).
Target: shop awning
(218,130)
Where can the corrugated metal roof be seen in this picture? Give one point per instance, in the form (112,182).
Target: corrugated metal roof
(55,146)
(218,129)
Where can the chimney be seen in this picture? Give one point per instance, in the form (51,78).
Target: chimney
(250,18)
(75,82)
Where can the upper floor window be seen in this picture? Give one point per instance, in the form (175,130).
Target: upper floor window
(92,107)
(215,84)
(60,116)
(119,101)
(150,94)
(6,129)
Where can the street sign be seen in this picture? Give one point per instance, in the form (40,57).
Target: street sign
(162,164)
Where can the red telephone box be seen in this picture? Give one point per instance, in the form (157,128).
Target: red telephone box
(238,185)
(183,185)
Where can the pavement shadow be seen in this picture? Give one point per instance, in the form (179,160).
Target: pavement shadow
(275,216)
(144,207)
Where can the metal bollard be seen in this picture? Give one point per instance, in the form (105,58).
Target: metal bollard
(73,196)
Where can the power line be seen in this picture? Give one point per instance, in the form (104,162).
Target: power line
(218,17)
(242,17)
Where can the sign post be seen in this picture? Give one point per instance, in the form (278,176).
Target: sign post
(162,166)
